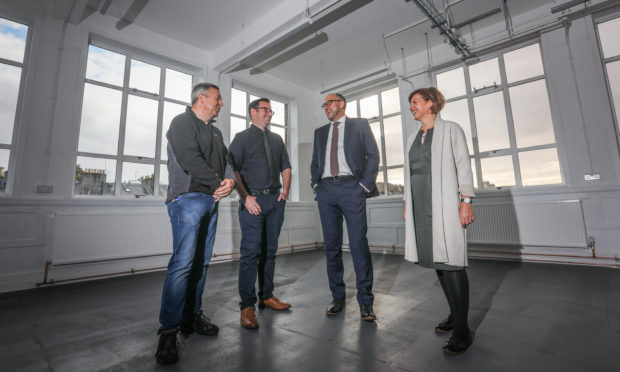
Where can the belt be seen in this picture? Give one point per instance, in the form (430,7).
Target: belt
(340,178)
(269,191)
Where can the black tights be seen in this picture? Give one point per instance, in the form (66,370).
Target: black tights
(456,288)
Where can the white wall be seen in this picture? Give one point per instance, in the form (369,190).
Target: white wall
(57,237)
(71,233)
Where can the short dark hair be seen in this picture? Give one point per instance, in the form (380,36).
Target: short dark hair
(254,104)
(430,94)
(341,97)
(199,88)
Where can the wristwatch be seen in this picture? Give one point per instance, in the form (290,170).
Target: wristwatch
(467,200)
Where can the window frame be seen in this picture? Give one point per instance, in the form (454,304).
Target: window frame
(132,53)
(604,62)
(513,150)
(12,147)
(383,167)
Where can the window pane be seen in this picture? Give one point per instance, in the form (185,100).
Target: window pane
(451,83)
(369,107)
(379,183)
(170,111)
(144,76)
(163,180)
(279,131)
(141,127)
(491,122)
(253,97)
(376,131)
(4,168)
(137,179)
(393,132)
(351,109)
(531,114)
(396,181)
(608,32)
(523,63)
(613,74)
(104,65)
(497,172)
(540,167)
(390,101)
(458,112)
(12,40)
(10,77)
(473,171)
(278,117)
(236,125)
(94,176)
(484,74)
(101,112)
(178,85)
(237,102)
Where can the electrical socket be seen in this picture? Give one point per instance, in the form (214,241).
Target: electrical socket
(45,189)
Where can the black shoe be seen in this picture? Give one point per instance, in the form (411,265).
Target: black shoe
(336,306)
(167,348)
(367,313)
(456,345)
(445,326)
(200,324)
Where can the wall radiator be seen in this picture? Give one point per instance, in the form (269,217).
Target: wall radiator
(80,238)
(544,224)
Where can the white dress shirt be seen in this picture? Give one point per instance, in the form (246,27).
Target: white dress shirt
(343,167)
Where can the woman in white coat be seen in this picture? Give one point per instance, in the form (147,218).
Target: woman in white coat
(438,195)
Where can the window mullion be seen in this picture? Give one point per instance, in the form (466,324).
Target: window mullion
(509,121)
(121,130)
(158,137)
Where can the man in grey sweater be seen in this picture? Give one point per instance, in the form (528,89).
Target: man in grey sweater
(199,178)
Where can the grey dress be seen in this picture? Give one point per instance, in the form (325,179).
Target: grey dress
(420,166)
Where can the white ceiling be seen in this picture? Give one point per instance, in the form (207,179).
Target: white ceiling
(356,43)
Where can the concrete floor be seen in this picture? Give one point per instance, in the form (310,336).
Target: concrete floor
(526,317)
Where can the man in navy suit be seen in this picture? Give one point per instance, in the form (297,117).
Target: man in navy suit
(345,162)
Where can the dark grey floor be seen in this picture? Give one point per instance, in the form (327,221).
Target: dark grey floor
(526,317)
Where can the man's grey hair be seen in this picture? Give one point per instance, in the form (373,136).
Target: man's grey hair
(199,88)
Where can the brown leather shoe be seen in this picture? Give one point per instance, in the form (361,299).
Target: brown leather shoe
(248,318)
(273,303)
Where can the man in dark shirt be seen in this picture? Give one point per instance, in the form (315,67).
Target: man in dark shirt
(258,156)
(198,178)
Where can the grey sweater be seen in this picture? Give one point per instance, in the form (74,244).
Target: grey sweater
(196,156)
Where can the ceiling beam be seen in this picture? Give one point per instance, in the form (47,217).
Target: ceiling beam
(291,53)
(131,14)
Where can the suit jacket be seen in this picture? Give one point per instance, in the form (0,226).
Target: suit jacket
(360,150)
(451,177)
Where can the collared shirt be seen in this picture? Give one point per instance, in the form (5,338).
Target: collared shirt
(343,167)
(246,155)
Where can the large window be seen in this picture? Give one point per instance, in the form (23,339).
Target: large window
(240,118)
(13,38)
(382,110)
(610,47)
(129,101)
(502,104)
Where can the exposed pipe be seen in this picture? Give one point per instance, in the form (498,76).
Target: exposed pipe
(45,282)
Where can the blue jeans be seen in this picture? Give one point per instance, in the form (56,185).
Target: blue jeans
(194,220)
(259,244)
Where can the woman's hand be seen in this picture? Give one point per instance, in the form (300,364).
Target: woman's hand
(466,213)
(404,211)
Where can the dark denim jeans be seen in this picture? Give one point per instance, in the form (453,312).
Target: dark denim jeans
(194,220)
(259,244)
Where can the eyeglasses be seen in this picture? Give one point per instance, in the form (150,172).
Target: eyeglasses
(266,109)
(329,102)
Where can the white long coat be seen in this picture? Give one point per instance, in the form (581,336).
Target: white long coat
(451,177)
